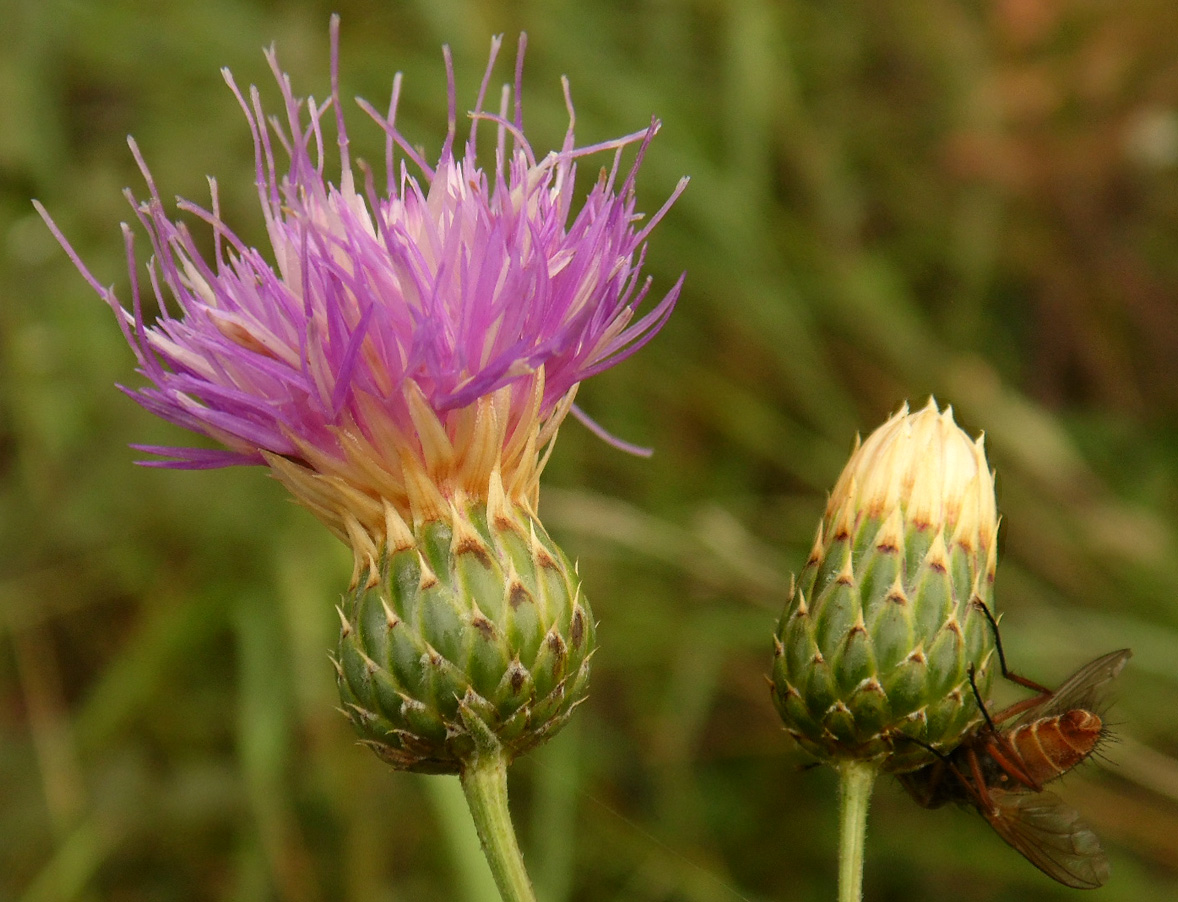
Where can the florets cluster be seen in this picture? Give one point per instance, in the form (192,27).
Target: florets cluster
(394,349)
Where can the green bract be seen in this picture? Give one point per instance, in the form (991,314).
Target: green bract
(882,625)
(473,631)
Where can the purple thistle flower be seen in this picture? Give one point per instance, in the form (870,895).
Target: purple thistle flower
(394,350)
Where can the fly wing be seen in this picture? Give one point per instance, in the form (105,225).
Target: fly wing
(1083,689)
(1050,835)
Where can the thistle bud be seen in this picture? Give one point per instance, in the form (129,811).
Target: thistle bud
(886,620)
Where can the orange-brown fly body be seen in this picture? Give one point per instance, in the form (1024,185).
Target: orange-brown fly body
(1000,770)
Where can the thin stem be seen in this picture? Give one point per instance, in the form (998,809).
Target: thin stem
(856,780)
(484,780)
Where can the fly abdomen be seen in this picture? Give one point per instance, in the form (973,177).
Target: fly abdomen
(1051,746)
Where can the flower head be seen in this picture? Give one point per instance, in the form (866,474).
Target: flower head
(392,351)
(874,650)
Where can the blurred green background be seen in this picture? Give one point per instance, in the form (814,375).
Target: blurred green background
(973,200)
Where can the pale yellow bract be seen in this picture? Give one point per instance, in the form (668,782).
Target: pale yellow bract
(379,493)
(920,469)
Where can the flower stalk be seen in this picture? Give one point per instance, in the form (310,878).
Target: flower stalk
(856,780)
(484,781)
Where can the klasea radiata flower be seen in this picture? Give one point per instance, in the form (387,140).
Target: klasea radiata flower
(401,359)
(886,619)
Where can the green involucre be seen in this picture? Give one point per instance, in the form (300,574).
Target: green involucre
(477,630)
(874,647)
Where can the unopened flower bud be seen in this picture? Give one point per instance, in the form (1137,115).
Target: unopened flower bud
(886,620)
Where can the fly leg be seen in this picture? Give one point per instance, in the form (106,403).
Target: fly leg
(1007,673)
(978,788)
(999,745)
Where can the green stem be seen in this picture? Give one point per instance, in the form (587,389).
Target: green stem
(484,780)
(856,779)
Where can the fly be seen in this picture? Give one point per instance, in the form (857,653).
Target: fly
(1000,769)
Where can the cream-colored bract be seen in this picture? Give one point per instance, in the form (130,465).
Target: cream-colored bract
(920,469)
(379,492)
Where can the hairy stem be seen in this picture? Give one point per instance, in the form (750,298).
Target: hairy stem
(484,780)
(856,780)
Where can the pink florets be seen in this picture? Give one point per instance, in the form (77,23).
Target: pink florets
(464,283)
